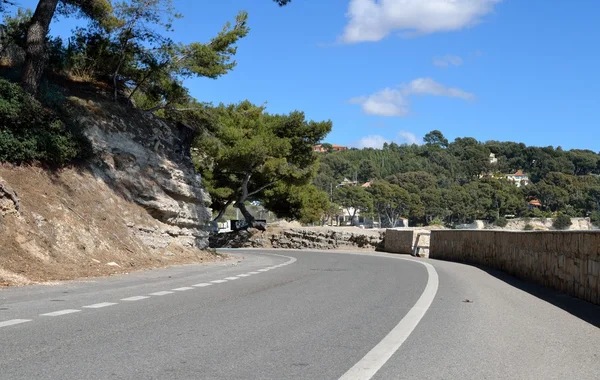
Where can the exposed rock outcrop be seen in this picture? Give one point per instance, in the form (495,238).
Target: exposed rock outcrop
(137,204)
(146,160)
(301,238)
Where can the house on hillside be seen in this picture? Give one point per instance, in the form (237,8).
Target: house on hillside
(334,148)
(519,178)
(534,203)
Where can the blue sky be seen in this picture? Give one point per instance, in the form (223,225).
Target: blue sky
(393,70)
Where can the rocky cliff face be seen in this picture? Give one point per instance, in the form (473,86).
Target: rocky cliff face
(146,160)
(137,204)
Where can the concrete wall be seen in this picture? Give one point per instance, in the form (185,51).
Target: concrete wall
(398,241)
(567,261)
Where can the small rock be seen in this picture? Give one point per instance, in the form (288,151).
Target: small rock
(113,264)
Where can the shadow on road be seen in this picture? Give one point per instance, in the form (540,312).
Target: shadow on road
(579,308)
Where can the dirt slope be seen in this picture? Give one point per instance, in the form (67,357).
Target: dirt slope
(71,225)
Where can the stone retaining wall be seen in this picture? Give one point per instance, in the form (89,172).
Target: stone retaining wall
(398,241)
(567,261)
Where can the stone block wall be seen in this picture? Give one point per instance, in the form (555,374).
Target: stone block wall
(398,241)
(567,261)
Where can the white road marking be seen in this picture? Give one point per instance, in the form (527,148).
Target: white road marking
(163,293)
(244,275)
(368,366)
(254,272)
(137,298)
(183,289)
(218,281)
(202,285)
(99,305)
(61,312)
(13,322)
(232,278)
(263,270)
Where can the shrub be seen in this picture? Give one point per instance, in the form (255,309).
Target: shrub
(501,222)
(30,132)
(562,222)
(595,218)
(437,221)
(528,227)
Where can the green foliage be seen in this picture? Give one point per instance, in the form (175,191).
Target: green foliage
(354,199)
(595,218)
(16,28)
(528,227)
(436,138)
(455,181)
(29,132)
(243,151)
(306,203)
(562,222)
(390,202)
(501,222)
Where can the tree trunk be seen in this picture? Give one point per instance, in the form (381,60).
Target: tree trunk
(247,216)
(223,210)
(35,55)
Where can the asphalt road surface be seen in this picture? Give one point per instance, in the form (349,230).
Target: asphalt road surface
(299,315)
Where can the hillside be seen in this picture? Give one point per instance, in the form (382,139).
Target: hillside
(460,181)
(134,203)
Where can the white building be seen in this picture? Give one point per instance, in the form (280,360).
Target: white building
(519,178)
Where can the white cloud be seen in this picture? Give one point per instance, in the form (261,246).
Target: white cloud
(405,137)
(372,20)
(372,141)
(448,60)
(395,102)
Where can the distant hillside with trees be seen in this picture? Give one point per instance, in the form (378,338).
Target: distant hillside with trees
(442,182)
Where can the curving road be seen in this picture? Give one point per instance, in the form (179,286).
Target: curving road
(299,315)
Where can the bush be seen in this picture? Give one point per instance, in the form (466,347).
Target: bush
(595,218)
(528,227)
(30,132)
(501,222)
(562,222)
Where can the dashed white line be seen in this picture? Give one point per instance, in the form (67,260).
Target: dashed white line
(264,270)
(61,312)
(202,285)
(244,275)
(254,272)
(137,298)
(163,293)
(99,305)
(13,322)
(232,278)
(218,281)
(183,289)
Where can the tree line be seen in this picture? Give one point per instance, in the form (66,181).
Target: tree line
(441,182)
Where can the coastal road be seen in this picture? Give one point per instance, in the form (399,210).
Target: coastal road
(299,315)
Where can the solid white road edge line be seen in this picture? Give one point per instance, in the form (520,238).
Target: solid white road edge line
(61,312)
(13,322)
(368,366)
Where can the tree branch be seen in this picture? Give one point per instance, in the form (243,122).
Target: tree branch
(262,188)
